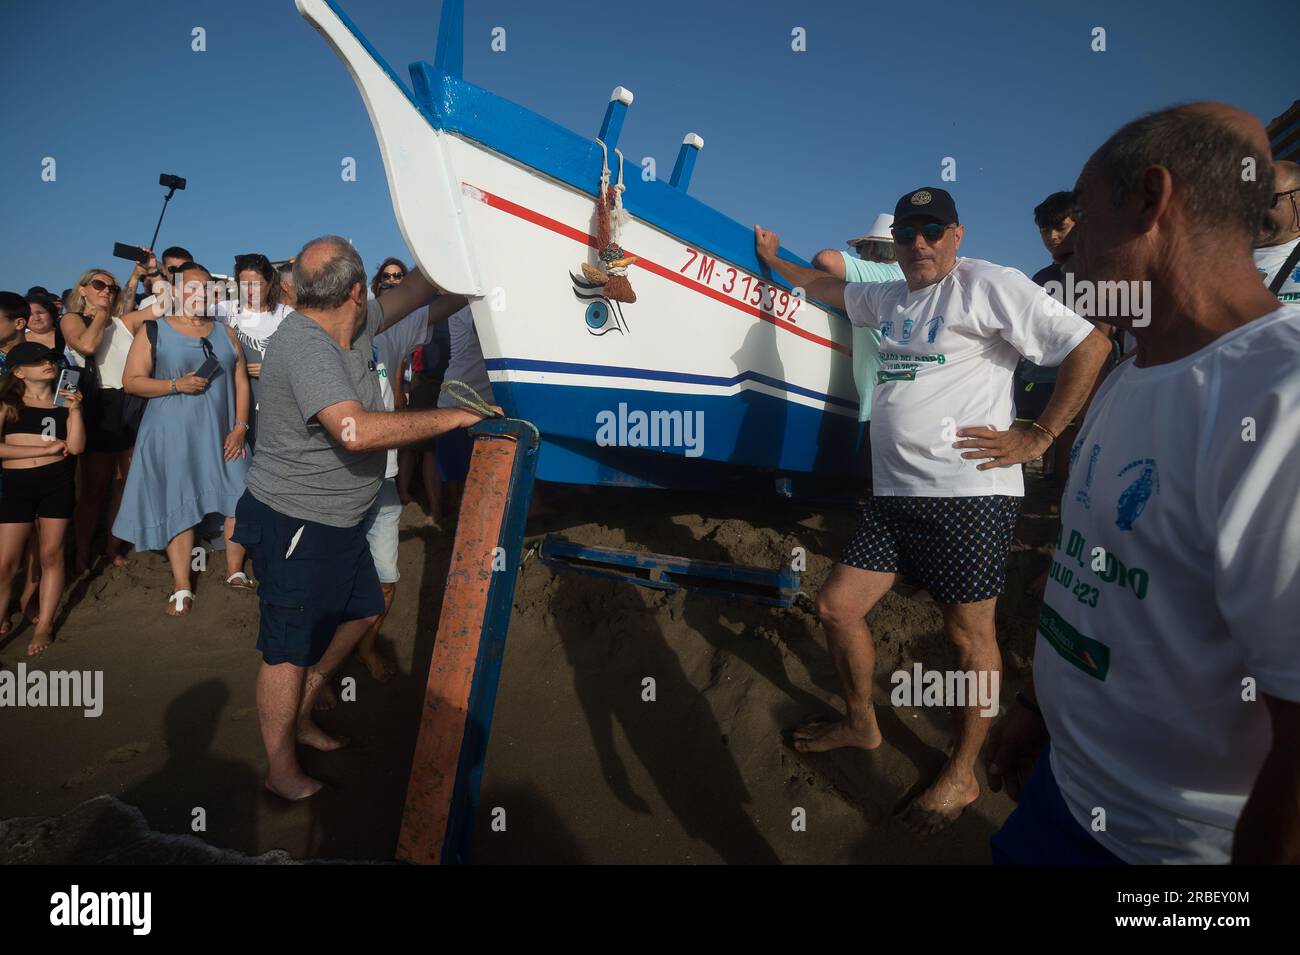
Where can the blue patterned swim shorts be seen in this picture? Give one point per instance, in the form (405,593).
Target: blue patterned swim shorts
(954,547)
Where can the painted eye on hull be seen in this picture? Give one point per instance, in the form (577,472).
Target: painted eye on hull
(601,315)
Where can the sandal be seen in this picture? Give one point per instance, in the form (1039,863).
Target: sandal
(179,598)
(239,581)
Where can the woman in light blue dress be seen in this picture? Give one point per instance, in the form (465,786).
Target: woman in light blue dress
(188,470)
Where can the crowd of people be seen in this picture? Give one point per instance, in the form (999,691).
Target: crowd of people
(280,425)
(130,420)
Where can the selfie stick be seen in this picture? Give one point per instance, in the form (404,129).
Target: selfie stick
(166,199)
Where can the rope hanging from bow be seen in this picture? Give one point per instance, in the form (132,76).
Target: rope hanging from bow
(612,262)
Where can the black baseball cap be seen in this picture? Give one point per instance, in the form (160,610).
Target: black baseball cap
(928,202)
(29,353)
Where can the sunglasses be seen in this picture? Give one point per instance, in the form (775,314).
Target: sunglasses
(395,276)
(99,285)
(1279,195)
(933,232)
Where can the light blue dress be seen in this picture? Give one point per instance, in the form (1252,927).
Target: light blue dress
(179,477)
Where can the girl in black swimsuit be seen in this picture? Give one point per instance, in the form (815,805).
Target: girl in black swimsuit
(37,484)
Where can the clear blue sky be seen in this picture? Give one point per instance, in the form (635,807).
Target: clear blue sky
(811,144)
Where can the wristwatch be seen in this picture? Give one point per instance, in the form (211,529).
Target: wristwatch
(173,384)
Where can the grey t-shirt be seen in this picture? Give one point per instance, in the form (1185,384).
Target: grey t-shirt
(298,468)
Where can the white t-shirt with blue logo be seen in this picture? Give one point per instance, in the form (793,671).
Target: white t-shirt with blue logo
(1175,592)
(1271,258)
(948,356)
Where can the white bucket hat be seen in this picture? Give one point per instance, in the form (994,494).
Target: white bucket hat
(879,231)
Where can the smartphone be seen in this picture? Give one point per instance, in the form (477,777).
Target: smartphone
(68,380)
(208,368)
(133,252)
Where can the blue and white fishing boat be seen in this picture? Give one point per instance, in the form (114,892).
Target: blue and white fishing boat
(716,369)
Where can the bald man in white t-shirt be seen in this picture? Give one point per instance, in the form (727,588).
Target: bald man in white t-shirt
(1167,670)
(945,459)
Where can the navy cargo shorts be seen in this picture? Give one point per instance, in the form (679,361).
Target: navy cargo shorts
(311,578)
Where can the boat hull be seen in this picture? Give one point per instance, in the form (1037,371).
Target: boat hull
(725,367)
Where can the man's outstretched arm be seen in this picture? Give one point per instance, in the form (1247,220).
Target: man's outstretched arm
(816,284)
(357,429)
(404,298)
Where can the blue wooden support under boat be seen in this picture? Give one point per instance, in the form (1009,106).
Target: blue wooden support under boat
(465,669)
(775,588)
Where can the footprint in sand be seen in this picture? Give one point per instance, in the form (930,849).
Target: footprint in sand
(83,775)
(126,753)
(122,754)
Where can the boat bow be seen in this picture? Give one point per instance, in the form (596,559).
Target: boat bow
(426,194)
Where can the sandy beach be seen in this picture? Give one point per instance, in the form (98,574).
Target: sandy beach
(584,769)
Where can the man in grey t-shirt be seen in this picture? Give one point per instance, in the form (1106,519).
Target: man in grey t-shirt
(323,435)
(300,470)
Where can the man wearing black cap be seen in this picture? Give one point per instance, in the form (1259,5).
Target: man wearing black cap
(951,335)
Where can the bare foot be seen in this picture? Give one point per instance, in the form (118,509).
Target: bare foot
(939,806)
(120,560)
(309,734)
(326,699)
(293,788)
(376,664)
(818,736)
(40,642)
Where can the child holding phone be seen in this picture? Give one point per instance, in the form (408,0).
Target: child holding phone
(39,438)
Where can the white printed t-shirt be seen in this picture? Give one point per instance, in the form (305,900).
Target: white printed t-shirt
(391,347)
(1271,258)
(1185,492)
(254,329)
(948,355)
